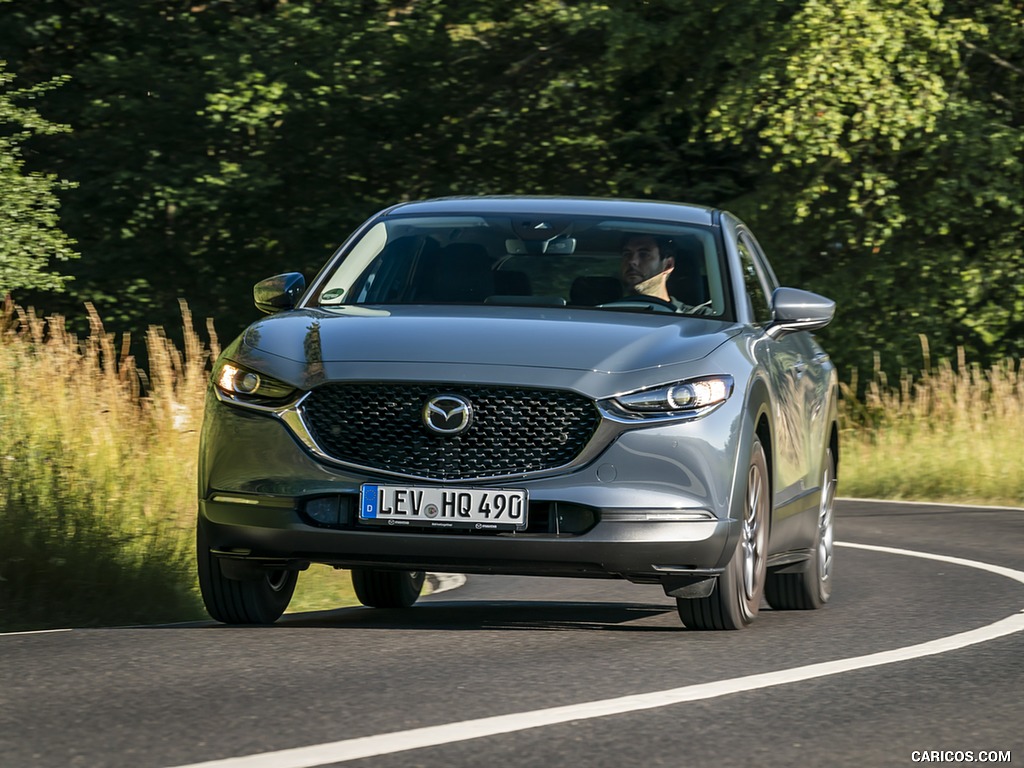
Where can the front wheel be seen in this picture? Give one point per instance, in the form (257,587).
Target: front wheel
(736,598)
(260,599)
(387,589)
(811,588)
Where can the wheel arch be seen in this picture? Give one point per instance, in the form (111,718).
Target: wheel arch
(756,420)
(763,431)
(833,443)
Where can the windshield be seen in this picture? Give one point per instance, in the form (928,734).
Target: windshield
(581,262)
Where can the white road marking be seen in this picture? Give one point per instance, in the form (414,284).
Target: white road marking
(1009,573)
(944,505)
(445,582)
(418,738)
(33,632)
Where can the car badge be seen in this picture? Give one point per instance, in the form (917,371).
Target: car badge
(447,414)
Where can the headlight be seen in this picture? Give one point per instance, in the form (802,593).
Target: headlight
(692,395)
(242,384)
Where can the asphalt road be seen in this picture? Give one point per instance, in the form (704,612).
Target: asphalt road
(169,696)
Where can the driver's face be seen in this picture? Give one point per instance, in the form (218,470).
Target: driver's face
(641,260)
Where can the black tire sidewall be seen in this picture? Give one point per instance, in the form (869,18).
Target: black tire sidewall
(261,600)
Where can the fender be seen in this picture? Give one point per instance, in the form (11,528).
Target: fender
(756,419)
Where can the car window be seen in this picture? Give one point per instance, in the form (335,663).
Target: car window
(498,260)
(754,280)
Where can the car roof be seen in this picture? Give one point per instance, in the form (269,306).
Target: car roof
(656,210)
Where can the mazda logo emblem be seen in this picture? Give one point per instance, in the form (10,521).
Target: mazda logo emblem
(447,414)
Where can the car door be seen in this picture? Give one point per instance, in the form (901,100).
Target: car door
(791,368)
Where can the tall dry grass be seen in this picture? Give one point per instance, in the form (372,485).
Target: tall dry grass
(953,433)
(97,474)
(98,477)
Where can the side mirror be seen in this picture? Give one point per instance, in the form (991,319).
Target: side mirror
(279,292)
(795,310)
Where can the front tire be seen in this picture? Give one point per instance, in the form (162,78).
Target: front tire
(736,598)
(258,600)
(378,588)
(811,588)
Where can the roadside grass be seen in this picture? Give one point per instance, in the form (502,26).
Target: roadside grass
(98,465)
(322,588)
(951,433)
(97,478)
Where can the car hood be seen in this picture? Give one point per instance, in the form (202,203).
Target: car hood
(581,340)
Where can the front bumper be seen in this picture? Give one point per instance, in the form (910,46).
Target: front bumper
(659,501)
(640,551)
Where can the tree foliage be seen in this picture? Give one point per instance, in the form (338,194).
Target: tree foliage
(891,156)
(874,145)
(30,233)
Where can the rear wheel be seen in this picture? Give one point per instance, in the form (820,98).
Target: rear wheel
(812,587)
(387,589)
(259,599)
(736,598)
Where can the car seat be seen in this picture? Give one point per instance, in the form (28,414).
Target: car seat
(458,273)
(591,290)
(688,281)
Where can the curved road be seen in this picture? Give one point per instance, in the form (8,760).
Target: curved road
(532,672)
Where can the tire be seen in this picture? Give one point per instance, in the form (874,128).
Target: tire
(259,600)
(736,598)
(811,588)
(378,588)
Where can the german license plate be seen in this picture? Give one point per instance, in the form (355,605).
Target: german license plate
(482,509)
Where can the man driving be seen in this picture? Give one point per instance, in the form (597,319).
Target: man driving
(647,262)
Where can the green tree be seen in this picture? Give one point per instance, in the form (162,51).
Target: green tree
(875,145)
(215,145)
(889,166)
(30,234)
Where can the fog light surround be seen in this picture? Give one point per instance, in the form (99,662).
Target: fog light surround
(331,511)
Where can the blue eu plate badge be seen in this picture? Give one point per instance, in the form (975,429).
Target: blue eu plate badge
(370,498)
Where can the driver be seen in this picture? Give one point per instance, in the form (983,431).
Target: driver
(647,262)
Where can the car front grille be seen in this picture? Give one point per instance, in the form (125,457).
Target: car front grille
(513,431)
